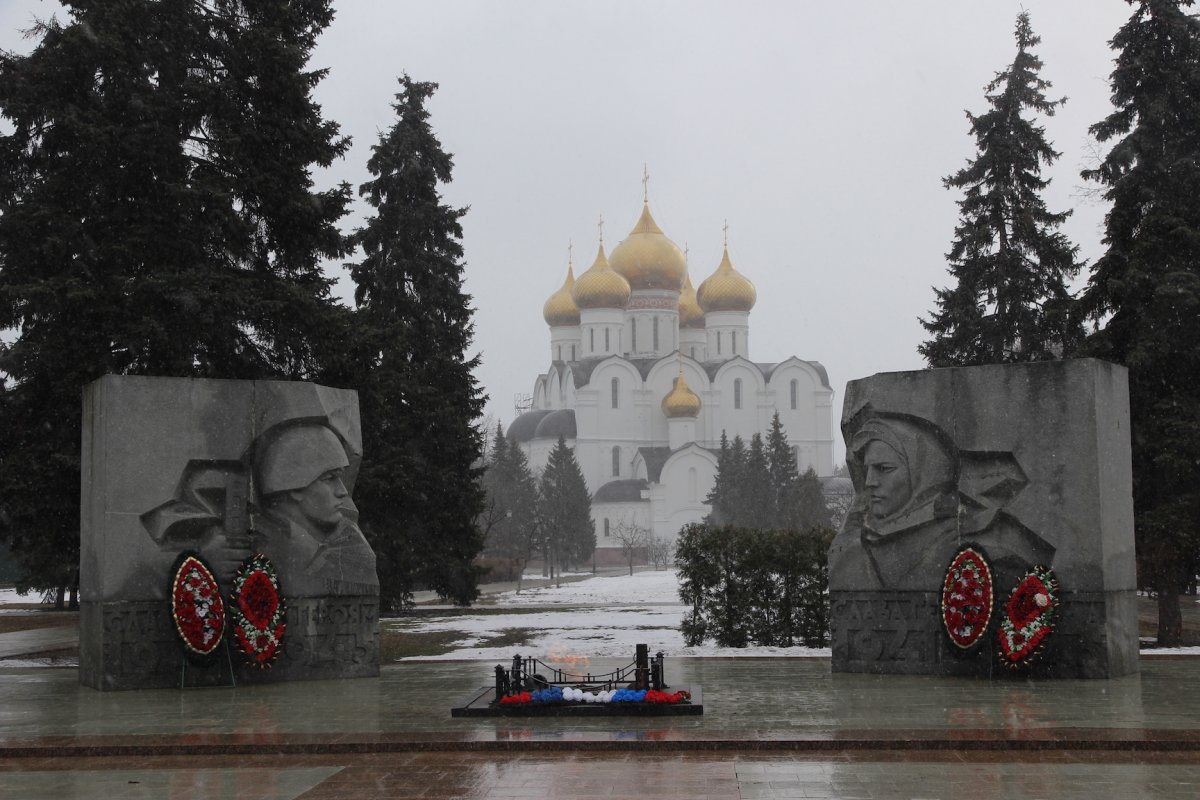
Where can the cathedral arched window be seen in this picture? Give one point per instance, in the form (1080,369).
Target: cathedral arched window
(733,347)
(558,350)
(795,386)
(592,340)
(737,392)
(616,392)
(616,459)
(607,347)
(656,334)
(572,352)
(606,528)
(633,335)
(692,492)
(718,343)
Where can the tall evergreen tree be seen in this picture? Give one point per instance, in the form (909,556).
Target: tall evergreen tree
(419,483)
(1146,287)
(157,216)
(565,510)
(1009,262)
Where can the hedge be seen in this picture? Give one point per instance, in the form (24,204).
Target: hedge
(753,587)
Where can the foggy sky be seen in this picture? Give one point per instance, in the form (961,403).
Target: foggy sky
(820,131)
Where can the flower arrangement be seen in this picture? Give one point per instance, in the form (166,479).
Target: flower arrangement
(196,607)
(555,694)
(1029,617)
(967,598)
(258,611)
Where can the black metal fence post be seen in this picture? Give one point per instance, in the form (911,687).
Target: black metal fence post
(642,674)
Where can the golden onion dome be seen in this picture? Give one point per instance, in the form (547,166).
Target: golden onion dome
(681,401)
(690,313)
(648,259)
(726,289)
(601,286)
(560,309)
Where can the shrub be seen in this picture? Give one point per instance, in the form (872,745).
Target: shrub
(754,587)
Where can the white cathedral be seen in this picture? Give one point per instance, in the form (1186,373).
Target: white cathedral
(646,373)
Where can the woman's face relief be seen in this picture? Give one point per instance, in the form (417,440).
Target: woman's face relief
(886,480)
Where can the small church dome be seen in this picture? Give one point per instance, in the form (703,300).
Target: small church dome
(690,313)
(681,401)
(601,286)
(726,289)
(560,308)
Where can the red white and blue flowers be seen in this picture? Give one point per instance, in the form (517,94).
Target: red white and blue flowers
(558,695)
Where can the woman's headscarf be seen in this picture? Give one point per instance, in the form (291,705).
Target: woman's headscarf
(931,464)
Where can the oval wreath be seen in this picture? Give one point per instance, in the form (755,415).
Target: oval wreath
(1029,617)
(967,598)
(196,607)
(258,611)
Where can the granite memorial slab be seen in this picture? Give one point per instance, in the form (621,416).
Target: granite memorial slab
(225,470)
(1010,483)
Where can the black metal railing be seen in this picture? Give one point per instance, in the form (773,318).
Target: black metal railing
(528,674)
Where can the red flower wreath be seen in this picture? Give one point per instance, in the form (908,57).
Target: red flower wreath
(1028,617)
(967,598)
(258,611)
(196,607)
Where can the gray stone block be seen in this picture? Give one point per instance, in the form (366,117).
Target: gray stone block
(225,469)
(1030,463)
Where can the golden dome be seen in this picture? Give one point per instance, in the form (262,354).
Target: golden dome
(690,313)
(648,259)
(681,401)
(726,289)
(560,309)
(600,286)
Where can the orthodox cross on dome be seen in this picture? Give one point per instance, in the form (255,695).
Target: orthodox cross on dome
(570,253)
(685,252)
(645,183)
(725,230)
(600,227)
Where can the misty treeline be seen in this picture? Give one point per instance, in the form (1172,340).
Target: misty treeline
(526,516)
(1009,297)
(158,216)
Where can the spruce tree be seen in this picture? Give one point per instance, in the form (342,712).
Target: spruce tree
(1146,288)
(419,485)
(509,516)
(1009,263)
(565,510)
(157,216)
(720,498)
(757,501)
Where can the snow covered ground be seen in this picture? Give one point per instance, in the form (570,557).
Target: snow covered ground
(600,617)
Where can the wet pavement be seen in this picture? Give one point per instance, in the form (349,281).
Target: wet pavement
(771,728)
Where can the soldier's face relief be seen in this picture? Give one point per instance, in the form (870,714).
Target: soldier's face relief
(325,502)
(887,481)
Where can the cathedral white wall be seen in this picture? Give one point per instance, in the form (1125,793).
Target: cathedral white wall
(601,332)
(616,514)
(754,414)
(693,342)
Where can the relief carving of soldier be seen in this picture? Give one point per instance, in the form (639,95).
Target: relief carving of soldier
(289,498)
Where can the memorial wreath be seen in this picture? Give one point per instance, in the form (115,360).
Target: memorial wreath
(967,598)
(258,611)
(1029,617)
(196,607)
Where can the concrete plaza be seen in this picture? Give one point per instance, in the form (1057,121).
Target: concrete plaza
(772,728)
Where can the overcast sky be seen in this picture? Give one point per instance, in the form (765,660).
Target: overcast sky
(820,131)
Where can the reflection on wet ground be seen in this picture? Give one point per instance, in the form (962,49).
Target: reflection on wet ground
(772,728)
